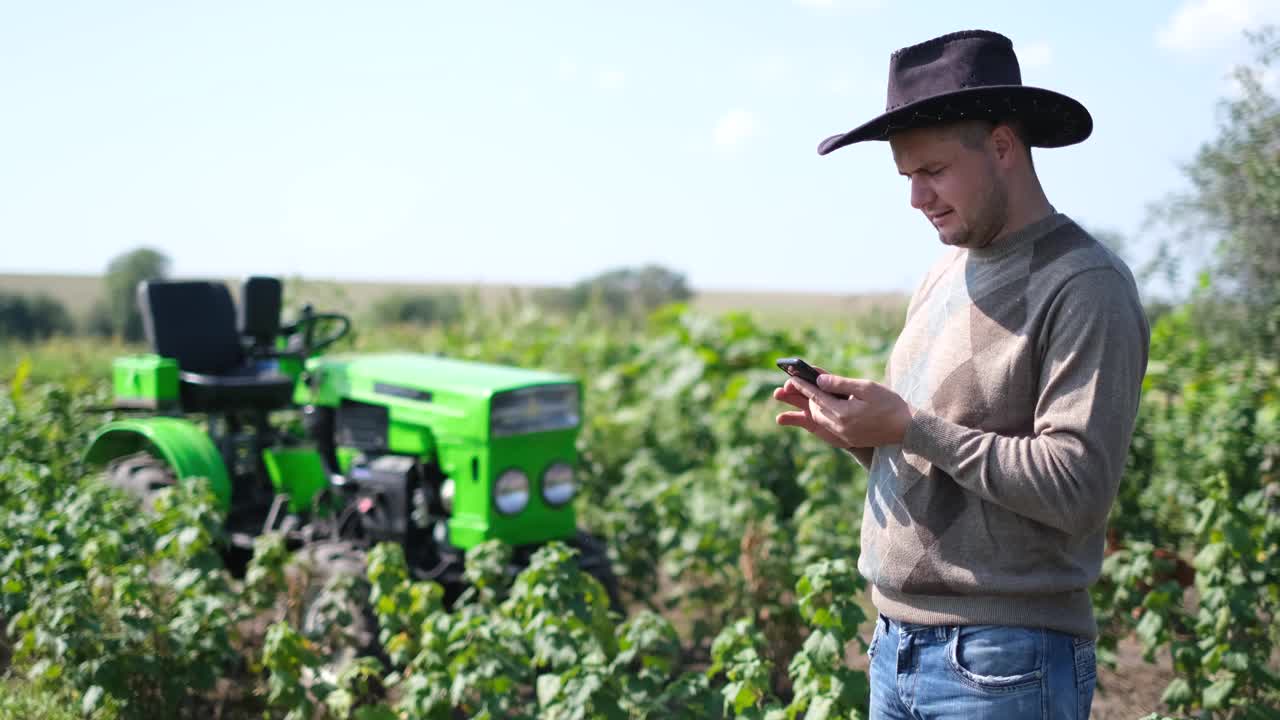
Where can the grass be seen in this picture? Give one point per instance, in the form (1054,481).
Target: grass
(20,700)
(63,360)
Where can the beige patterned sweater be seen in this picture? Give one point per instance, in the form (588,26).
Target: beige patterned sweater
(1024,361)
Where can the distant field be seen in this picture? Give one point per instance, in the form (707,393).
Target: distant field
(78,293)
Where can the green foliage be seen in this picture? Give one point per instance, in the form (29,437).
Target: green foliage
(400,606)
(23,701)
(739,654)
(292,663)
(825,686)
(265,579)
(130,610)
(1200,510)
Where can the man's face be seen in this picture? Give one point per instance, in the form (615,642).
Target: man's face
(954,181)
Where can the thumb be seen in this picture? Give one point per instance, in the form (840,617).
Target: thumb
(849,387)
(837,384)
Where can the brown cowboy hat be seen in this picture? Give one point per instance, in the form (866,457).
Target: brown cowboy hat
(972,74)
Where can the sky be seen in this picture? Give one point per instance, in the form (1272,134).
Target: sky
(537,143)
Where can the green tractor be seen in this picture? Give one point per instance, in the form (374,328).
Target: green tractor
(338,452)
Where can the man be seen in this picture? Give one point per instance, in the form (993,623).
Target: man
(996,446)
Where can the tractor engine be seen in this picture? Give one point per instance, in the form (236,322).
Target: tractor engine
(383,495)
(396,498)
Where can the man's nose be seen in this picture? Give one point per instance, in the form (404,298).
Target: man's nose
(921,194)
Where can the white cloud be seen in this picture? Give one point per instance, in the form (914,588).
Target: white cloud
(610,79)
(1034,55)
(1206,24)
(734,127)
(568,68)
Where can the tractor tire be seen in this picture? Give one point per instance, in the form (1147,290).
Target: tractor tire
(595,561)
(142,475)
(335,609)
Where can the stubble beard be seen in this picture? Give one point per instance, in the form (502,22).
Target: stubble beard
(989,219)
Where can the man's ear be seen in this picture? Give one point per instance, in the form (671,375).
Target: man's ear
(1006,144)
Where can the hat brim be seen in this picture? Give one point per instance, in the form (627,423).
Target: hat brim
(1051,119)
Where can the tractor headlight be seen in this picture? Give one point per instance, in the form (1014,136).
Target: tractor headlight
(534,409)
(446,495)
(511,492)
(558,484)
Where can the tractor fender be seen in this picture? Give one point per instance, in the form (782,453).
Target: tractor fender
(181,443)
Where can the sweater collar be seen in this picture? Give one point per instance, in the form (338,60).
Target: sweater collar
(1018,237)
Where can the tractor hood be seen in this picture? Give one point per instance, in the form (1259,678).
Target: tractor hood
(431,373)
(414,383)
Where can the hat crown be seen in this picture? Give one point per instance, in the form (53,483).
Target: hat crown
(968,59)
(972,74)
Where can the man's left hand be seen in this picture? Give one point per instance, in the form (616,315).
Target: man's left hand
(873,415)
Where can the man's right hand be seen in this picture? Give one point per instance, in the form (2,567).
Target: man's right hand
(801,417)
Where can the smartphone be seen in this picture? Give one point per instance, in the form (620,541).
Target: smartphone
(796,367)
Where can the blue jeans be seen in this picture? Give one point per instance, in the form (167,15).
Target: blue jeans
(979,671)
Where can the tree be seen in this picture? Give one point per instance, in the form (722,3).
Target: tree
(418,309)
(623,291)
(35,317)
(1234,201)
(118,309)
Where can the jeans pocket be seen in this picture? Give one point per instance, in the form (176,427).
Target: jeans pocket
(1086,659)
(997,658)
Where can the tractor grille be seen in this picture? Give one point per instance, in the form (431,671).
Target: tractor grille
(362,426)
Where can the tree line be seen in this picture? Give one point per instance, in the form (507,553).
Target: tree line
(627,291)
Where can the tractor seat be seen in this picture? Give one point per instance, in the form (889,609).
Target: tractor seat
(246,388)
(194,323)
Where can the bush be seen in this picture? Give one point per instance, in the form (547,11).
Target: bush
(22,701)
(439,308)
(33,317)
(624,291)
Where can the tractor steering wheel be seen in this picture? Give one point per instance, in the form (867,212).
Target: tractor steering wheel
(307,323)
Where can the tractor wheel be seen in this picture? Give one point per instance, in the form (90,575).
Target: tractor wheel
(142,475)
(594,557)
(335,609)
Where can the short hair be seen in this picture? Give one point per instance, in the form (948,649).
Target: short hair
(973,133)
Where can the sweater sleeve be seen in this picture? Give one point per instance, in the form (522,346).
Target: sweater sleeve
(863,455)
(1093,355)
